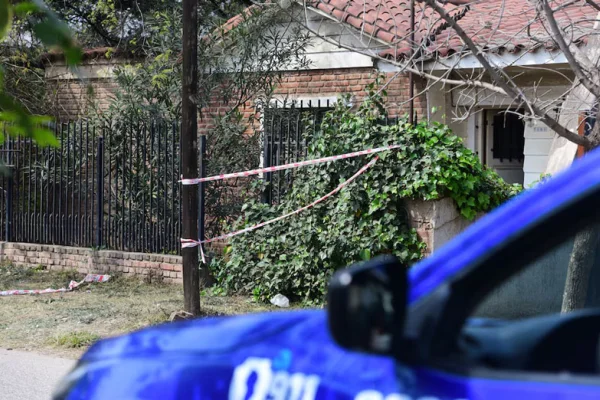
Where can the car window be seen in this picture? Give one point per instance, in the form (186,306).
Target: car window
(539,289)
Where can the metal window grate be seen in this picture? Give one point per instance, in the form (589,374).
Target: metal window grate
(285,141)
(508,137)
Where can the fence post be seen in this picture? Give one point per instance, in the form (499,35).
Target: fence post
(8,207)
(100,192)
(266,194)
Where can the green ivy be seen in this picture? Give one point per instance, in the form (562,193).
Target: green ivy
(297,256)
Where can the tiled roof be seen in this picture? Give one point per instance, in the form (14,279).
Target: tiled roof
(494,25)
(90,54)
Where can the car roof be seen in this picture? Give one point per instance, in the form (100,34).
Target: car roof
(495,228)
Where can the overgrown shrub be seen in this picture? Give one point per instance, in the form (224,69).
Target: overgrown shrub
(296,257)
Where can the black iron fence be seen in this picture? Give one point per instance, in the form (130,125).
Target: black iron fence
(116,186)
(112,187)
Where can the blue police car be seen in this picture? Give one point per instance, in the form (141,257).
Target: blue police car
(395,334)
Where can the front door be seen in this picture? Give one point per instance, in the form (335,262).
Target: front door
(504,144)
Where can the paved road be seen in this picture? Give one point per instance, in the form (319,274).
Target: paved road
(30,376)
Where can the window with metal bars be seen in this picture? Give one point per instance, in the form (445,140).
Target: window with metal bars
(590,121)
(508,136)
(285,141)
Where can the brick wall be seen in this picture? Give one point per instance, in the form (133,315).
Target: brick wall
(73,99)
(331,84)
(86,260)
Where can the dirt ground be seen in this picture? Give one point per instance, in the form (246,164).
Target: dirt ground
(66,324)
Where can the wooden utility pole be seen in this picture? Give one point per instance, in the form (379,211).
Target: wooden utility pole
(189,155)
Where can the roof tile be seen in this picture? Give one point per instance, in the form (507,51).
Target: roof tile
(496,25)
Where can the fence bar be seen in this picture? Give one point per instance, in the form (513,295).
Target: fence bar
(109,236)
(266,198)
(179,192)
(91,185)
(145,170)
(138,219)
(87,185)
(73,180)
(49,192)
(78,149)
(173,183)
(124,191)
(165,192)
(9,206)
(59,216)
(152,163)
(100,192)
(130,187)
(34,230)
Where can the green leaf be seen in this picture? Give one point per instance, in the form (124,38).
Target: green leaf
(25,7)
(45,137)
(5,17)
(365,254)
(52,32)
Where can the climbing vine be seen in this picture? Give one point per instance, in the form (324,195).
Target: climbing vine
(296,256)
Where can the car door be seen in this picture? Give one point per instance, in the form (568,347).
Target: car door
(532,356)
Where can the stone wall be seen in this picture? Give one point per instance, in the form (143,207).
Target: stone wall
(86,260)
(436,222)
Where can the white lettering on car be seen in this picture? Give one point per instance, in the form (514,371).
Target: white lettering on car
(278,385)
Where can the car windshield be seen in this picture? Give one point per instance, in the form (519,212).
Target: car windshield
(564,278)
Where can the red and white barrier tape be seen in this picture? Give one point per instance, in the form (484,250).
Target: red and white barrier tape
(185,243)
(299,164)
(72,285)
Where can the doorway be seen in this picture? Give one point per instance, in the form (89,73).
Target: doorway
(503,144)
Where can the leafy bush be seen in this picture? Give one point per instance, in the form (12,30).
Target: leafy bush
(296,257)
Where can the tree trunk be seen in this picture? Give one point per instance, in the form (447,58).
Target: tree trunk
(561,156)
(580,268)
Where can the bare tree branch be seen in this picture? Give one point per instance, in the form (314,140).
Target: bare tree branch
(509,87)
(560,40)
(593,4)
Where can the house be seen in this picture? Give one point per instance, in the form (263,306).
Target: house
(352,42)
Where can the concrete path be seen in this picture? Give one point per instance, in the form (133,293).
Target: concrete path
(30,376)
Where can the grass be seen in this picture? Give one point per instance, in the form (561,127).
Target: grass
(73,340)
(67,323)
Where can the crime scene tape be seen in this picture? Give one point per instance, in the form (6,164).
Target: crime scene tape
(299,164)
(185,243)
(72,285)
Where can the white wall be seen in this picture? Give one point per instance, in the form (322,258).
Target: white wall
(325,37)
(439,99)
(323,54)
(538,137)
(538,140)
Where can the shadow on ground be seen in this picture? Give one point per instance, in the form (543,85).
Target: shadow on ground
(66,324)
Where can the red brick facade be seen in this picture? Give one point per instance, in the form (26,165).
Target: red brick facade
(332,83)
(73,99)
(86,261)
